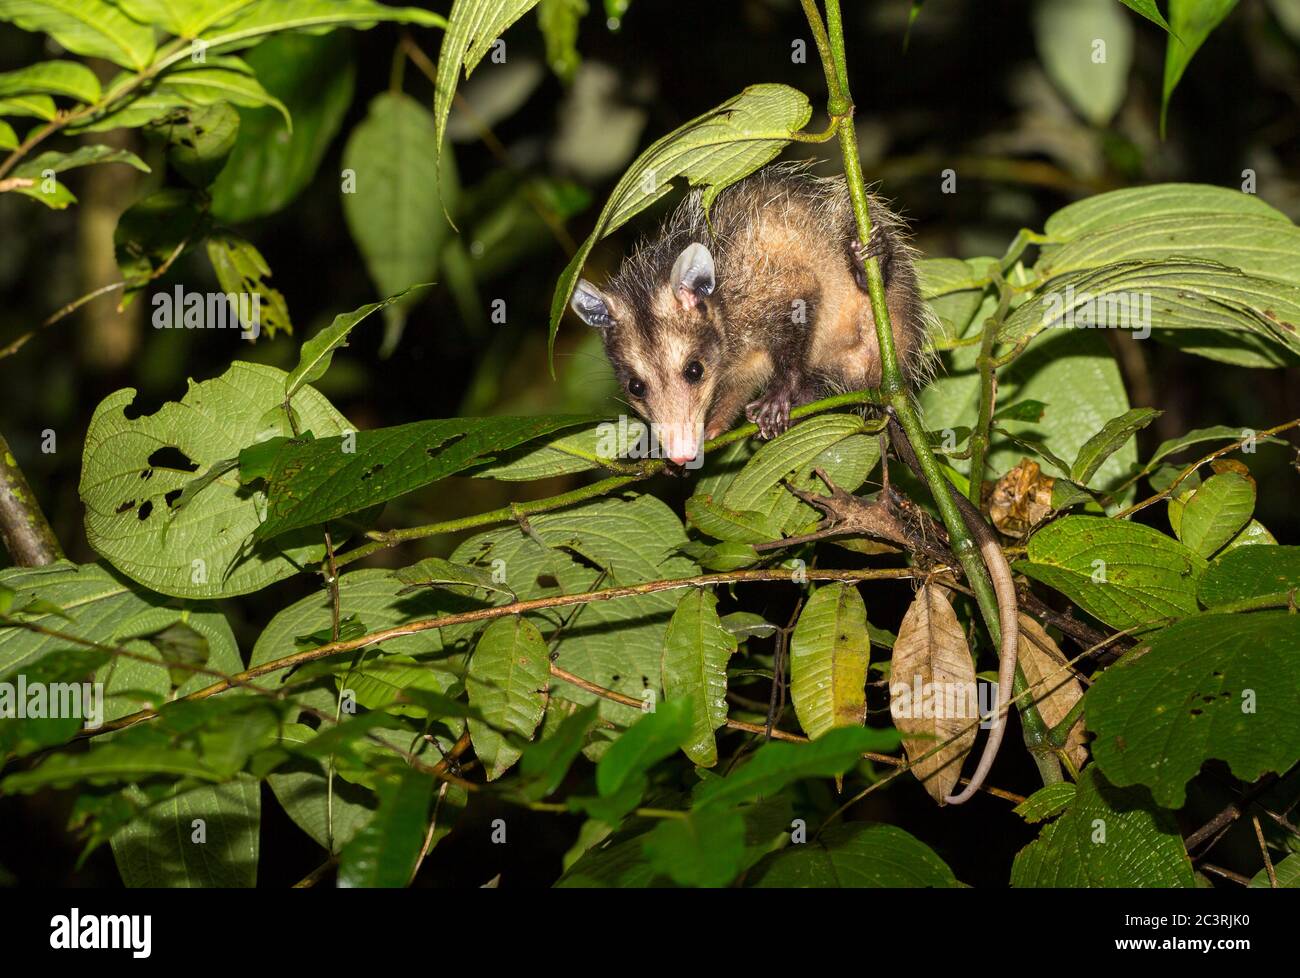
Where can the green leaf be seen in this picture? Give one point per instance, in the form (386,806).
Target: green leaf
(258,20)
(1204,300)
(460,578)
(394,210)
(509,675)
(656,735)
(1108,837)
(1217,512)
(1287,873)
(1149,10)
(90,27)
(200,550)
(706,848)
(375,597)
(1068,33)
(1114,434)
(733,526)
(58,196)
(313,482)
(696,651)
(1256,243)
(108,763)
(32,106)
(1225,433)
(547,762)
(829,655)
(715,150)
(1122,208)
(1213,686)
(199,140)
(92,603)
(387,849)
(777,764)
(69,78)
(205,86)
(151,231)
(835,443)
(1072,370)
(1047,802)
(313,78)
(1124,573)
(558,21)
(8,138)
(616,644)
(318,352)
(471,30)
(859,854)
(1190,23)
(185,18)
(242,271)
(1250,572)
(567,453)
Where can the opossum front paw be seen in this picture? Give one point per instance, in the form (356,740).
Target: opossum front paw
(771,413)
(877,247)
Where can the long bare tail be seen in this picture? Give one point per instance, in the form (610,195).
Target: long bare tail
(1008,613)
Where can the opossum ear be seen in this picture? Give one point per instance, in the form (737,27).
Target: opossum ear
(692,276)
(591,305)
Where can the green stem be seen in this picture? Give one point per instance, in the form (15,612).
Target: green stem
(979,439)
(893,392)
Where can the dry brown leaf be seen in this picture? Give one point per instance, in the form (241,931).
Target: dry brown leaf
(932,691)
(1059,690)
(1021,499)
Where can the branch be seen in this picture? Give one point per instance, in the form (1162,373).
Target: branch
(26,532)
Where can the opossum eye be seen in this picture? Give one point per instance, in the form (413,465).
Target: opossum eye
(694,371)
(636,387)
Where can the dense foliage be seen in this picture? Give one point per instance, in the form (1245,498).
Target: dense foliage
(597,654)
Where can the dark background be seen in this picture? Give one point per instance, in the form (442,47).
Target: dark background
(969,93)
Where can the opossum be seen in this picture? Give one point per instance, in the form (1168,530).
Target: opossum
(761,306)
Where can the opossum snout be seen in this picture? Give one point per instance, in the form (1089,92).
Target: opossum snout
(680,443)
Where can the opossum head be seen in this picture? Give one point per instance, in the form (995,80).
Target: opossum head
(665,341)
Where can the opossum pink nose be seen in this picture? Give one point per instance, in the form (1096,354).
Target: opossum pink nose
(683,459)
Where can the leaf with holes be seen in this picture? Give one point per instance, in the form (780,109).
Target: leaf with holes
(1108,837)
(715,150)
(242,271)
(696,650)
(829,655)
(1212,686)
(313,482)
(932,659)
(509,675)
(134,470)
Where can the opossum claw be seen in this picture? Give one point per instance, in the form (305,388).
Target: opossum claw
(877,246)
(771,413)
